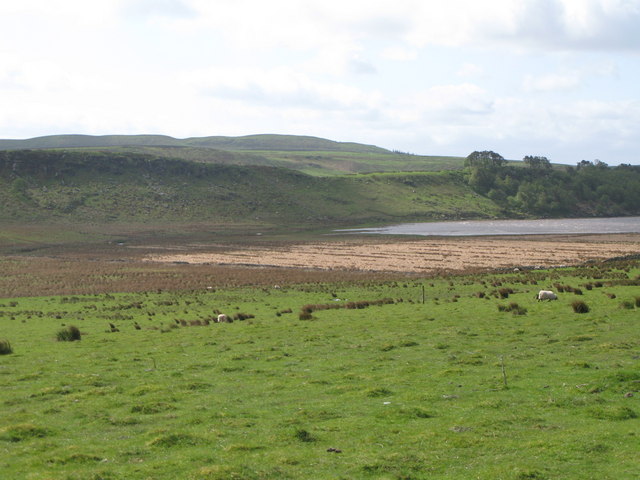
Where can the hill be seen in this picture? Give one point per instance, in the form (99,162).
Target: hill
(249,142)
(312,155)
(77,186)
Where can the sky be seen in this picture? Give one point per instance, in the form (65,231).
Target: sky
(556,78)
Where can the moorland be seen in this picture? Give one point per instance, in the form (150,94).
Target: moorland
(347,357)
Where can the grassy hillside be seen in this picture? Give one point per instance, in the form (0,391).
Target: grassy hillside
(478,381)
(97,187)
(337,163)
(311,155)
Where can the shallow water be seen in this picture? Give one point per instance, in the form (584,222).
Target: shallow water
(509,227)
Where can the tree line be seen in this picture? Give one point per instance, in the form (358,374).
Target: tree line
(535,186)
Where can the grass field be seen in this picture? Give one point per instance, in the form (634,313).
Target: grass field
(343,380)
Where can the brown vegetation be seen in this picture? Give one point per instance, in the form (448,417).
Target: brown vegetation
(428,256)
(270,264)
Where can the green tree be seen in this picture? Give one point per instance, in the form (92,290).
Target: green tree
(486,159)
(536,162)
(482,168)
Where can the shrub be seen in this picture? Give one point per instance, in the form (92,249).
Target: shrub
(5,347)
(305,315)
(68,334)
(579,306)
(637,301)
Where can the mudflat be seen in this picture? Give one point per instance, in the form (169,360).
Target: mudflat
(428,255)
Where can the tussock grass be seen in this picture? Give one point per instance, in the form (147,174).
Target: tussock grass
(22,432)
(5,347)
(579,306)
(69,334)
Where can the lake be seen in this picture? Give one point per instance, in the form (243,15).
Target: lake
(509,227)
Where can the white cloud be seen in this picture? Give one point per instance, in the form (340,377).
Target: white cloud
(470,70)
(455,102)
(279,87)
(399,54)
(360,66)
(552,82)
(175,9)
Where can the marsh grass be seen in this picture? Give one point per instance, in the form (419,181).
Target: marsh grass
(401,390)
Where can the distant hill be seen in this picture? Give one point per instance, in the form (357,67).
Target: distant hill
(311,155)
(249,142)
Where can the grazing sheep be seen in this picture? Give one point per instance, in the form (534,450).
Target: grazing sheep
(546,295)
(222,318)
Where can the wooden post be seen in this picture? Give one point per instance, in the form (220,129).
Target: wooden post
(504,372)
(423,294)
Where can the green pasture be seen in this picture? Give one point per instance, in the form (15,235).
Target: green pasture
(472,379)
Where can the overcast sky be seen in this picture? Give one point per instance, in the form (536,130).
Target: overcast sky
(559,78)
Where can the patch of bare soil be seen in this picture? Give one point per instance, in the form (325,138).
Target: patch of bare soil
(420,256)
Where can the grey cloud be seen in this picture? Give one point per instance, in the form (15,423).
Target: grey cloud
(385,26)
(549,24)
(361,67)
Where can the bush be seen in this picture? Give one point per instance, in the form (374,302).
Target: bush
(69,334)
(305,315)
(637,301)
(579,306)
(5,347)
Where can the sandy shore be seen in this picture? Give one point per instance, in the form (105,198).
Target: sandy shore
(420,256)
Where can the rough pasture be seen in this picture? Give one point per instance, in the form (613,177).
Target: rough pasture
(455,387)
